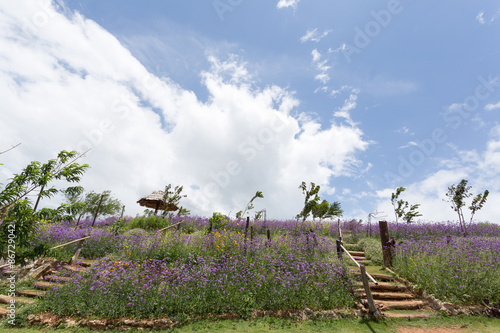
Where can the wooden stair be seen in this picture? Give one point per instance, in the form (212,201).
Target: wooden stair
(390,297)
(50,278)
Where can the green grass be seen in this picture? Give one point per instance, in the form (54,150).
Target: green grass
(275,325)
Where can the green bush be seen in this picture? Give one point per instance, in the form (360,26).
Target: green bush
(373,250)
(147,223)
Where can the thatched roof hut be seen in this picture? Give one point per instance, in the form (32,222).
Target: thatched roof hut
(156,200)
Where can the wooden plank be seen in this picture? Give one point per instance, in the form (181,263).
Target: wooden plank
(371,305)
(356,253)
(46,285)
(57,278)
(381,277)
(6,299)
(400,305)
(75,269)
(409,315)
(386,286)
(377,295)
(171,226)
(31,293)
(68,243)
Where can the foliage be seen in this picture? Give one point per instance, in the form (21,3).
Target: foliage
(311,199)
(320,210)
(183,211)
(37,175)
(18,218)
(457,194)
(454,269)
(250,205)
(201,282)
(402,209)
(80,205)
(172,197)
(109,206)
(150,222)
(326,210)
(372,249)
(217,222)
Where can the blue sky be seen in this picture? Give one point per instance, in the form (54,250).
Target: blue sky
(371,96)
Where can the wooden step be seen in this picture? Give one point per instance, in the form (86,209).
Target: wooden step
(75,268)
(400,305)
(360,258)
(356,253)
(43,285)
(384,286)
(7,300)
(409,316)
(378,277)
(31,293)
(4,312)
(86,262)
(57,278)
(390,295)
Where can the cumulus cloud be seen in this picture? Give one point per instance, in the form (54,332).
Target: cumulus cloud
(481,169)
(66,83)
(287,3)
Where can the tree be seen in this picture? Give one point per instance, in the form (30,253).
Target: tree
(311,199)
(37,176)
(457,195)
(16,210)
(334,210)
(80,205)
(250,205)
(109,206)
(320,210)
(183,211)
(402,209)
(172,197)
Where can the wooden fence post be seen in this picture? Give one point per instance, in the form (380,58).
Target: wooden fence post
(251,233)
(246,227)
(246,235)
(339,249)
(371,304)
(340,231)
(268,235)
(386,245)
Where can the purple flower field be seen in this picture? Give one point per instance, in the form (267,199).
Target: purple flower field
(186,270)
(458,270)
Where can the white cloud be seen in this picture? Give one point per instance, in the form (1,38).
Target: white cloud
(314,36)
(409,144)
(69,84)
(404,130)
(480,169)
(480,17)
(349,105)
(491,107)
(321,66)
(287,3)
